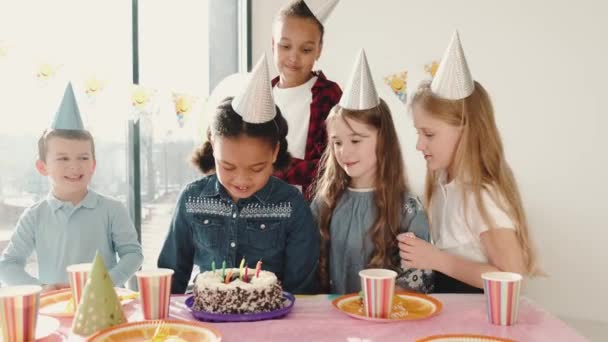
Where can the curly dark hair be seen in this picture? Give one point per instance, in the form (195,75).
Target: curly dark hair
(227,123)
(299,9)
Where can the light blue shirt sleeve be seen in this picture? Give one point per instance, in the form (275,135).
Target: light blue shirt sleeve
(126,245)
(62,235)
(20,247)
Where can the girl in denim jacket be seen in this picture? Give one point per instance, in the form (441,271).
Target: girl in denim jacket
(242,211)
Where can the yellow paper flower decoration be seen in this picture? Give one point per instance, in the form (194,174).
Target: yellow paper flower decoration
(46,71)
(140,97)
(398,84)
(3,49)
(183,104)
(93,86)
(431,68)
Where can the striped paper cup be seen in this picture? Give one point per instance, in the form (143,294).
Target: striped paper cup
(155,292)
(19,311)
(502,296)
(378,287)
(78,275)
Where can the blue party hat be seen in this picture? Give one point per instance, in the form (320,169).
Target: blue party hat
(68,114)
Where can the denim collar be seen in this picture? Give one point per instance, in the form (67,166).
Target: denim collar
(214,188)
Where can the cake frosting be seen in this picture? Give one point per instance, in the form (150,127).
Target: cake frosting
(260,293)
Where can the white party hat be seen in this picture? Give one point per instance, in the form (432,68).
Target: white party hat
(360,92)
(321,8)
(68,114)
(453,80)
(255,103)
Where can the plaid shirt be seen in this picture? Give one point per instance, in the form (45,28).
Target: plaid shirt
(325,95)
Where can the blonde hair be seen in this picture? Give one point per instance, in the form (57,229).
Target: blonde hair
(390,187)
(479,158)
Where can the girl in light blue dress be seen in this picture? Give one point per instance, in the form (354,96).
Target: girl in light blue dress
(362,197)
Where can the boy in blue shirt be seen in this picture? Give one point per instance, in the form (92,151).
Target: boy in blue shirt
(73,222)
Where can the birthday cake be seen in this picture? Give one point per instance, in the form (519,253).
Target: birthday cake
(228,292)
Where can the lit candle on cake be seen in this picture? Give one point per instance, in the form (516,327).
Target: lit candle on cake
(223,268)
(241,268)
(213,266)
(246,276)
(258,268)
(228,277)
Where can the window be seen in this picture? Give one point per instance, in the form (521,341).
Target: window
(91,45)
(41,50)
(174,69)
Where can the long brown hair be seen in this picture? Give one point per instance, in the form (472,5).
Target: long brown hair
(390,187)
(479,162)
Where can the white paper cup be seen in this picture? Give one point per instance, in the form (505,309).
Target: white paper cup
(155,292)
(502,296)
(378,287)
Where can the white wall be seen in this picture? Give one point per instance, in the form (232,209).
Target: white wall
(545,64)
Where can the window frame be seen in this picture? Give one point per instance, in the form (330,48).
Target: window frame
(232,19)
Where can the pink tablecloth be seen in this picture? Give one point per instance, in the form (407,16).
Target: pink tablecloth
(313,318)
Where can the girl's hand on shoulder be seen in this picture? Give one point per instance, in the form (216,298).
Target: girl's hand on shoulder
(417,253)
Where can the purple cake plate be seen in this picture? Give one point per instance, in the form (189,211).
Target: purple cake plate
(288,300)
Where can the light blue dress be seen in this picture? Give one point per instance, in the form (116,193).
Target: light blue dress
(351,246)
(63,234)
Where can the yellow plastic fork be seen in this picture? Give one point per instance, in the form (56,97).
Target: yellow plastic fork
(133,295)
(161,332)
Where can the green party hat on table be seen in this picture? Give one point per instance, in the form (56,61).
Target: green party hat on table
(99,307)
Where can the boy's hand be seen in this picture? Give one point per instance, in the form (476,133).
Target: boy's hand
(417,253)
(54,287)
(48,288)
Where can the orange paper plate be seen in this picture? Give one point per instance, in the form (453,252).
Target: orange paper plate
(407,306)
(144,331)
(55,303)
(464,338)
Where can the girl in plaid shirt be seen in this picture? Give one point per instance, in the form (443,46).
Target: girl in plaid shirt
(304,96)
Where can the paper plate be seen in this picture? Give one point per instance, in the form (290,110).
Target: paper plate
(463,338)
(288,301)
(181,331)
(45,326)
(407,306)
(55,303)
